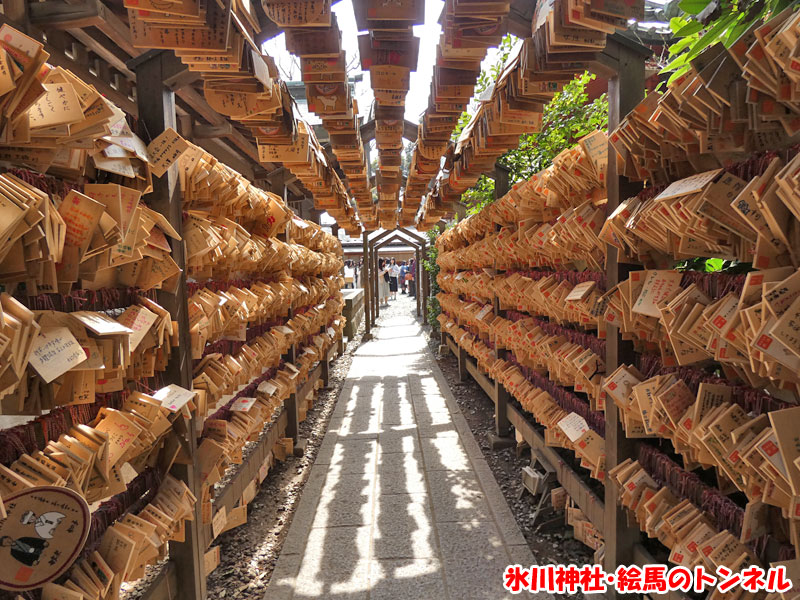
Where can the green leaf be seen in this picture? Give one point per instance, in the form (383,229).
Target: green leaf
(682,44)
(713,265)
(680,72)
(690,28)
(711,36)
(676,63)
(677,23)
(736,31)
(693,7)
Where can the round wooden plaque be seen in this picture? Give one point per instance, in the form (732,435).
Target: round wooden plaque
(41,537)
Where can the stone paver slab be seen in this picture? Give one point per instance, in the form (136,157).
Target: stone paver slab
(400,438)
(403,528)
(400,503)
(444,454)
(403,579)
(457,496)
(393,481)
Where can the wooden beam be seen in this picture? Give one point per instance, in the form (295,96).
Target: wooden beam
(17,10)
(116,29)
(59,58)
(625,90)
(164,586)
(410,131)
(518,25)
(213,131)
(182,79)
(55,14)
(197,103)
(106,52)
(231,492)
(487,385)
(268,31)
(591,505)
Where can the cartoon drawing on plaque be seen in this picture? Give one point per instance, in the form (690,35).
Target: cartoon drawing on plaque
(45,524)
(28,550)
(42,535)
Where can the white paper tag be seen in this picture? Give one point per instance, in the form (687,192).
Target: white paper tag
(574,426)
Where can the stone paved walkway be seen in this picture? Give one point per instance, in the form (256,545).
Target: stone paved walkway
(400,502)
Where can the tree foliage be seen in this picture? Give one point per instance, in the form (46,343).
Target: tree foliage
(432,310)
(704,23)
(488,76)
(479,195)
(567,117)
(486,79)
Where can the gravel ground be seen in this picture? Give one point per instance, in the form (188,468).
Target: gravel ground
(549,538)
(249,553)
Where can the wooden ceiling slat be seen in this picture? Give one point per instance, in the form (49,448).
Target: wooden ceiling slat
(56,14)
(102,50)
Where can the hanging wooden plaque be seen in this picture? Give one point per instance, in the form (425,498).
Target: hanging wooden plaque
(41,537)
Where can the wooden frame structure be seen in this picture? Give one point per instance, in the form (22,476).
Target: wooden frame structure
(92,39)
(371,247)
(622,63)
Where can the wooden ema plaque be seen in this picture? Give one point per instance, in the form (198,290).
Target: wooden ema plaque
(41,537)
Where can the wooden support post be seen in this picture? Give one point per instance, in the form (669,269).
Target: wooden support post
(423,286)
(366,285)
(462,364)
(293,417)
(625,90)
(417,267)
(501,175)
(502,426)
(326,372)
(17,11)
(376,293)
(290,405)
(376,306)
(426,281)
(373,286)
(156,113)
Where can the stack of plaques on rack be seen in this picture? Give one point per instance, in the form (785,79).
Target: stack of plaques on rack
(389,51)
(306,158)
(729,103)
(108,429)
(564,43)
(324,65)
(466,37)
(243,84)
